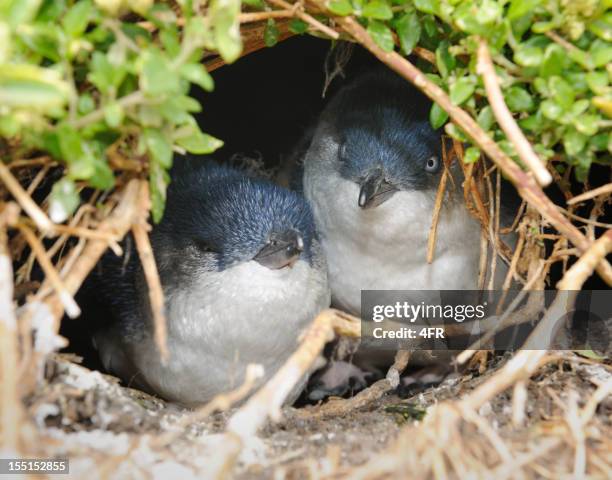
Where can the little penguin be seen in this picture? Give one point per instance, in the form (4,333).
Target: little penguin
(243,274)
(371,173)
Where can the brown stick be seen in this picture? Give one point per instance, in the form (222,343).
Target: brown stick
(524,183)
(156,293)
(309,19)
(250,17)
(39,217)
(575,277)
(71,307)
(603,190)
(504,116)
(10,404)
(335,408)
(431,241)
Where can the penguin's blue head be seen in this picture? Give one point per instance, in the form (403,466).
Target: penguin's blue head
(220,217)
(385,141)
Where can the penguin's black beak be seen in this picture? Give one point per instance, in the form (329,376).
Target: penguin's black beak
(375,190)
(282,250)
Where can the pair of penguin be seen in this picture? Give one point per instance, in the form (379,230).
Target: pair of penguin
(246,265)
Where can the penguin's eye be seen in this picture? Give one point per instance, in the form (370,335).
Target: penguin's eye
(205,247)
(432,165)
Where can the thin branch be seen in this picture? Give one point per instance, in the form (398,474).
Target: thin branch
(250,17)
(504,116)
(156,293)
(340,407)
(10,404)
(309,19)
(39,217)
(603,190)
(575,277)
(126,101)
(72,309)
(431,241)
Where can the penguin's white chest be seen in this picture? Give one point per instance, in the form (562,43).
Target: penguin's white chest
(385,248)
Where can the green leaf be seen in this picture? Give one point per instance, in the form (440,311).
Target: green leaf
(258,4)
(199,143)
(437,116)
(488,12)
(157,76)
(340,7)
(20,11)
(485,118)
(518,8)
(589,354)
(9,126)
(271,33)
(601,52)
(528,56)
(408,29)
(518,100)
(574,142)
(158,146)
(427,6)
(76,153)
(561,91)
(602,27)
(554,61)
(472,154)
(105,76)
(64,200)
(587,124)
(86,104)
(461,90)
(579,107)
(30,86)
(102,177)
(381,34)
(377,9)
(226,27)
(298,26)
(597,81)
(158,184)
(77,18)
(455,132)
(196,73)
(113,114)
(550,109)
(30,94)
(444,60)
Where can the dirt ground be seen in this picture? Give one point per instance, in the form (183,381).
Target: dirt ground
(89,418)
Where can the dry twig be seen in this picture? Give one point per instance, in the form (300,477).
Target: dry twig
(140,230)
(505,119)
(40,218)
(51,274)
(309,19)
(603,190)
(10,403)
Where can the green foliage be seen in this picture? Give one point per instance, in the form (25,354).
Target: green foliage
(80,76)
(553,57)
